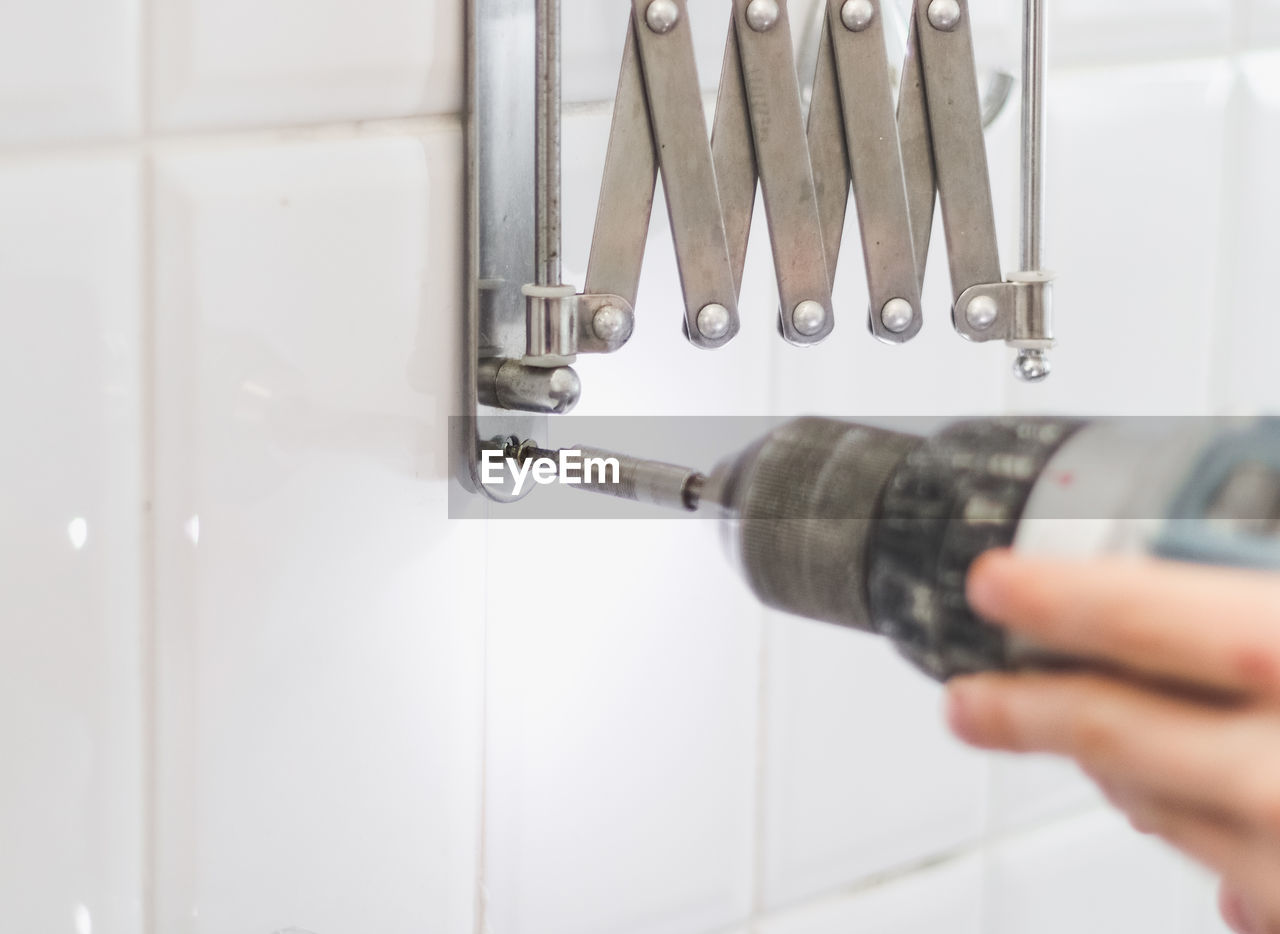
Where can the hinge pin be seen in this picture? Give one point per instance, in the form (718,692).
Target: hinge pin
(762,15)
(662,16)
(714,322)
(809,318)
(944,15)
(982,312)
(897,315)
(857,15)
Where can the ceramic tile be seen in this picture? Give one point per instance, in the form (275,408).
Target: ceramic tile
(1258,23)
(622,730)
(861,775)
(72,565)
(1133,227)
(231,63)
(1245,368)
(320,620)
(1092,31)
(944,898)
(69,69)
(1092,874)
(1028,790)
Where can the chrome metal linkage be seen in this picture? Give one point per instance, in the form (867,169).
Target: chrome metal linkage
(897,165)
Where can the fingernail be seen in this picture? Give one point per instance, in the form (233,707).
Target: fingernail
(988,582)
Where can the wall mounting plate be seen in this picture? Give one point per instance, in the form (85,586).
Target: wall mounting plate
(501,186)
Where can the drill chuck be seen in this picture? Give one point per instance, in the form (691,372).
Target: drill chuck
(876,530)
(800,508)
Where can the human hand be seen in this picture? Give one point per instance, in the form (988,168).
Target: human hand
(1179,725)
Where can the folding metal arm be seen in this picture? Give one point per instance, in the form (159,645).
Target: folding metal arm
(711,190)
(940,126)
(897,164)
(853,137)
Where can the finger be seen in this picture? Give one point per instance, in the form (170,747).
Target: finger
(1236,912)
(1212,627)
(1249,866)
(1222,760)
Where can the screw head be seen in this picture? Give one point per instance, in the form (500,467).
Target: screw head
(714,322)
(662,16)
(944,14)
(982,312)
(809,318)
(762,15)
(610,323)
(857,15)
(1032,366)
(897,315)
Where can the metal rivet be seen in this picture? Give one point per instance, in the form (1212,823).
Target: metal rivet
(897,315)
(1032,366)
(662,16)
(762,15)
(857,15)
(610,323)
(944,14)
(982,312)
(809,318)
(714,322)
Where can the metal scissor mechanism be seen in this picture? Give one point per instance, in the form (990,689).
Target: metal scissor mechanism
(525,326)
(897,164)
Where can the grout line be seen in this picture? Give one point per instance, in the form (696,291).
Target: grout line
(587,108)
(482,835)
(760,809)
(150,615)
(150,829)
(978,847)
(344,129)
(153,141)
(1230,202)
(145,68)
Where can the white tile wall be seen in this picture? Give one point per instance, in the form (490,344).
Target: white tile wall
(225,63)
(1134,222)
(861,775)
(1031,790)
(1094,31)
(72,555)
(255,680)
(320,624)
(69,69)
(1258,23)
(1093,874)
(1245,371)
(944,898)
(622,731)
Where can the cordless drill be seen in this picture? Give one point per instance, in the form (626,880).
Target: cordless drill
(876,530)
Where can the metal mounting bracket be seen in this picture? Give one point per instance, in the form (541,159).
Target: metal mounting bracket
(523,327)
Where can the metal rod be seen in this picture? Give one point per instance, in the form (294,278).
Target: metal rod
(638,480)
(1033,69)
(547,137)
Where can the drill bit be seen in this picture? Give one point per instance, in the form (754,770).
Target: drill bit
(635,479)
